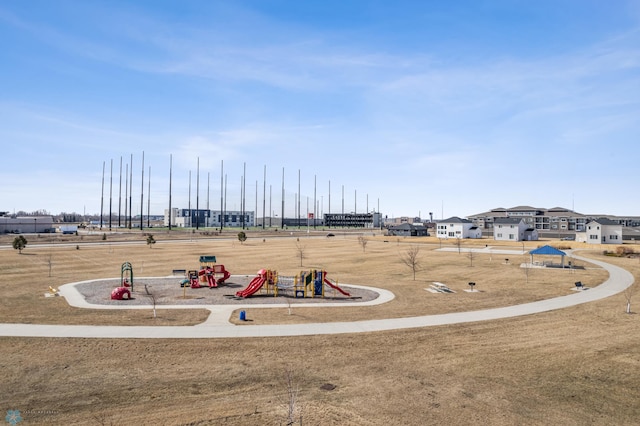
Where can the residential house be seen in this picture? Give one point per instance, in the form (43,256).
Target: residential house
(513,229)
(455,227)
(601,231)
(408,230)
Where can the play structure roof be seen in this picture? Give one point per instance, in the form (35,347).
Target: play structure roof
(207,259)
(548,250)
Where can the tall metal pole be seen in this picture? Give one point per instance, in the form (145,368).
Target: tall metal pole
(198,194)
(190,214)
(102,198)
(221,195)
(149,200)
(142,194)
(131,193)
(282,210)
(242,201)
(225,194)
(126,194)
(298,198)
(343,200)
(264,194)
(110,193)
(270,211)
(255,213)
(120,194)
(170,177)
(315,202)
(244,192)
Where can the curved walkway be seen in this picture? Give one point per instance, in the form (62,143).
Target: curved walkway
(619,280)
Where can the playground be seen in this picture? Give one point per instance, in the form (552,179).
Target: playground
(576,364)
(168,291)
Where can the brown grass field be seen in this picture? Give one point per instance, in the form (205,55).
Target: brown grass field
(574,366)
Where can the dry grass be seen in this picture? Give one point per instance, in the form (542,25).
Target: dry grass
(574,366)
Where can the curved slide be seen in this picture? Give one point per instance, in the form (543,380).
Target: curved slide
(255,285)
(332,285)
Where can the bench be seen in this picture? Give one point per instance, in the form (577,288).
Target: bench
(579,285)
(179,272)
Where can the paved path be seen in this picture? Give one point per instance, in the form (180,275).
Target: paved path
(619,280)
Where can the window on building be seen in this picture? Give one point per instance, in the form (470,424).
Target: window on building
(512,237)
(452,234)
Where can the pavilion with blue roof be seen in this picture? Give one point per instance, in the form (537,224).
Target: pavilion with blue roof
(548,251)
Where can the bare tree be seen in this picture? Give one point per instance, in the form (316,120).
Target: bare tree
(410,258)
(527,270)
(471,255)
(151,296)
(459,244)
(292,396)
(363,242)
(628,292)
(300,248)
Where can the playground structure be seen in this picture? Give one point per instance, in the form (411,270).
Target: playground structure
(126,275)
(123,292)
(210,273)
(306,284)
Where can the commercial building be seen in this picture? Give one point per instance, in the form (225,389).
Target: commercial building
(192,218)
(353,220)
(26,224)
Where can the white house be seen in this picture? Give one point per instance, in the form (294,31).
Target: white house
(601,231)
(513,229)
(454,227)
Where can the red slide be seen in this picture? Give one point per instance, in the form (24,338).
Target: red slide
(254,285)
(332,285)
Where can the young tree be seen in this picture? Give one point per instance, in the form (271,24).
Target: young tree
(151,296)
(300,248)
(459,244)
(471,255)
(527,270)
(19,243)
(150,241)
(410,258)
(363,242)
(628,292)
(242,237)
(292,397)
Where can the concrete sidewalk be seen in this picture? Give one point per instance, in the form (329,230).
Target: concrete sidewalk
(619,280)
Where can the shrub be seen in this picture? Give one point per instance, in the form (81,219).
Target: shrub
(623,251)
(19,243)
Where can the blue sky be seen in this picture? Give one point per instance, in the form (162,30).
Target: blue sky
(413,106)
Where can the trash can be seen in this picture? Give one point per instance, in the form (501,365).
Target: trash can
(243,316)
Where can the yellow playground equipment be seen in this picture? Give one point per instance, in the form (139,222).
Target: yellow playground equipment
(305,284)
